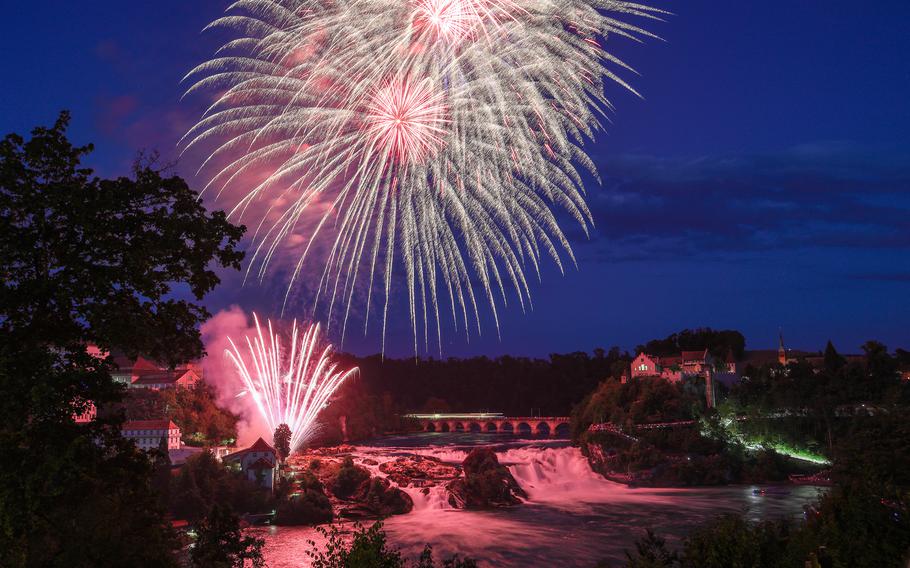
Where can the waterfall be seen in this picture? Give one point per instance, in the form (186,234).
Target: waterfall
(558,476)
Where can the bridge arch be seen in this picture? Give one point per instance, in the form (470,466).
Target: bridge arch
(542,429)
(523,429)
(459,427)
(562,430)
(507,428)
(430,427)
(474,427)
(492,427)
(444,427)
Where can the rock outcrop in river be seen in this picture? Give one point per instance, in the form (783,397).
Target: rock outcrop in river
(351,489)
(419,471)
(486,483)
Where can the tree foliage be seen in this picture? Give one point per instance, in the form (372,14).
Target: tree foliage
(718,342)
(220,543)
(368,548)
(310,506)
(195,410)
(282,440)
(94,260)
(85,260)
(203,482)
(850,527)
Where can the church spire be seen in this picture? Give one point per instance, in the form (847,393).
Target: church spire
(781,351)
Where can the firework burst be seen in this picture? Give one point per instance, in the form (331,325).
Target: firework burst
(440,138)
(405,120)
(288,387)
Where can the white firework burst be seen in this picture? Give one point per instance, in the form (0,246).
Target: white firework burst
(440,137)
(288,387)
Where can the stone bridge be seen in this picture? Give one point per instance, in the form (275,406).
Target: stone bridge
(494,423)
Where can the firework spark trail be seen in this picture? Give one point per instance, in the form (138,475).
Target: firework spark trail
(288,388)
(441,136)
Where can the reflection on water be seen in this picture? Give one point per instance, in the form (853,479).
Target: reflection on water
(573,517)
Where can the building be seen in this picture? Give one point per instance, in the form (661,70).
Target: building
(139,372)
(259,463)
(646,365)
(147,434)
(157,380)
(686,365)
(675,367)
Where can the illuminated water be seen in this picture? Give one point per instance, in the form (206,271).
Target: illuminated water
(573,517)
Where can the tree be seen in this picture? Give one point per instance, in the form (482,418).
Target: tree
(718,342)
(87,261)
(221,544)
(309,506)
(367,547)
(161,474)
(282,440)
(651,552)
(833,361)
(203,481)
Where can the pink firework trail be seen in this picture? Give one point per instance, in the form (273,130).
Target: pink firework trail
(288,388)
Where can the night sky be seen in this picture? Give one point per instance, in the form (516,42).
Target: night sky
(762,182)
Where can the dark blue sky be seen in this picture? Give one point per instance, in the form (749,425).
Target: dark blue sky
(763,181)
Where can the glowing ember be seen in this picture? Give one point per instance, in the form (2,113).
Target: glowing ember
(288,388)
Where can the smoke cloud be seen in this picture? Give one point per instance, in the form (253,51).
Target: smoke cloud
(220,372)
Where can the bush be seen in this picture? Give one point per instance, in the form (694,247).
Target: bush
(730,540)
(850,527)
(203,481)
(307,508)
(368,549)
(348,478)
(310,506)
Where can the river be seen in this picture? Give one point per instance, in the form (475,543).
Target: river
(572,517)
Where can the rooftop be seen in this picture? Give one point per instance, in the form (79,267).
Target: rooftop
(259,445)
(150,425)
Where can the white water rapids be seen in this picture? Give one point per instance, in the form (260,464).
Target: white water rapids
(572,517)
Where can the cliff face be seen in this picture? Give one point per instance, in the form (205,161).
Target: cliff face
(603,462)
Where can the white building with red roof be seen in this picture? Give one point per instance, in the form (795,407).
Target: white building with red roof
(139,372)
(147,434)
(178,378)
(259,463)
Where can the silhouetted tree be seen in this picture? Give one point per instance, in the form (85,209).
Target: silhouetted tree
(718,342)
(221,544)
(88,261)
(161,476)
(282,440)
(833,361)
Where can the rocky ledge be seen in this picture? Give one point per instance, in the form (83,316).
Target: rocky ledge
(486,483)
(480,482)
(352,491)
(419,471)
